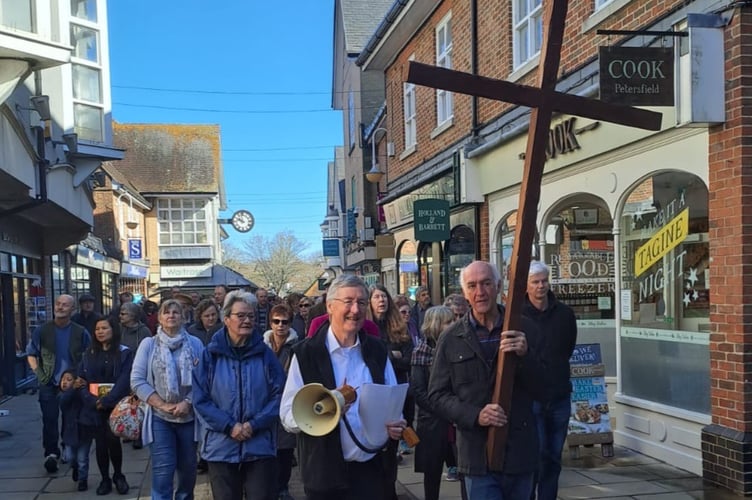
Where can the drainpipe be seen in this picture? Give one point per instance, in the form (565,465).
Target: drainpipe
(474,63)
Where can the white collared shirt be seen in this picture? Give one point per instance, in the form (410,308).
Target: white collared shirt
(348,366)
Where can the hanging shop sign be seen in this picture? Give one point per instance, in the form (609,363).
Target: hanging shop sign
(637,76)
(431,220)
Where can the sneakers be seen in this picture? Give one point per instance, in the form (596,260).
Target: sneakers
(105,487)
(452,474)
(404,449)
(50,463)
(83,485)
(121,485)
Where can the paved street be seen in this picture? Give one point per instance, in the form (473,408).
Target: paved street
(627,475)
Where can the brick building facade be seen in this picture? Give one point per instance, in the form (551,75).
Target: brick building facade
(675,347)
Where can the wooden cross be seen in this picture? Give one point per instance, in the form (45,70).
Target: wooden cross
(544,101)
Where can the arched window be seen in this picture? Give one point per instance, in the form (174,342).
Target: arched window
(407,265)
(665,310)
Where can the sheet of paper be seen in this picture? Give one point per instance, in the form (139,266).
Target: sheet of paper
(378,405)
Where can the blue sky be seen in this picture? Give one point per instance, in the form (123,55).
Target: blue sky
(268,62)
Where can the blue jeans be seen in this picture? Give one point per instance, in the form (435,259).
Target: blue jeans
(50,415)
(173,450)
(78,456)
(552,419)
(497,486)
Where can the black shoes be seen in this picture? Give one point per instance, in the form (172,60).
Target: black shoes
(121,485)
(105,487)
(74,474)
(83,485)
(50,463)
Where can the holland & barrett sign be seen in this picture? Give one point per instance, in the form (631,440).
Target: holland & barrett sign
(431,220)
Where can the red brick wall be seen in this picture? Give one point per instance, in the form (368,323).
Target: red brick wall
(730,208)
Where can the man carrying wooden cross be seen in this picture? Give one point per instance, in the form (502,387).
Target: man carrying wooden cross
(544,101)
(462,379)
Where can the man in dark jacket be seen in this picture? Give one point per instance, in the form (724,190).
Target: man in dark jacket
(55,347)
(86,316)
(461,386)
(336,466)
(557,330)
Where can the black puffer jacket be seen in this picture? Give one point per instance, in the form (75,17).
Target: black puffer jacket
(556,337)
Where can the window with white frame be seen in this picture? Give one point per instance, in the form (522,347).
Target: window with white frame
(86,66)
(600,3)
(84,9)
(528,30)
(444,108)
(410,125)
(17,15)
(182,221)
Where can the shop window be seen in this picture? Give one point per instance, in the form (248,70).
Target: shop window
(425,263)
(664,331)
(460,251)
(579,249)
(505,247)
(407,264)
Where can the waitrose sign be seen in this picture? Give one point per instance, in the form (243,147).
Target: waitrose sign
(431,220)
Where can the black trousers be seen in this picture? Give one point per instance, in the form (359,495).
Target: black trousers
(249,480)
(108,450)
(365,480)
(284,468)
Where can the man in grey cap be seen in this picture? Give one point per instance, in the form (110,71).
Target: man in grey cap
(86,315)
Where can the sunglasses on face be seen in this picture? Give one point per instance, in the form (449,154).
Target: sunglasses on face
(276,321)
(304,305)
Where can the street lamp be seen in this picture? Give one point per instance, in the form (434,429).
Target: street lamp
(375,175)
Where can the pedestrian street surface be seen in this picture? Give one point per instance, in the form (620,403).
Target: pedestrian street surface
(626,475)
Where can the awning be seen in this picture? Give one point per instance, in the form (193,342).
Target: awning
(220,275)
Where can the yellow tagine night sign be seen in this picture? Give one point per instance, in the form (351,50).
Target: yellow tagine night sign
(666,239)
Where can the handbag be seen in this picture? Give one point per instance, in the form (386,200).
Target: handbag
(127,418)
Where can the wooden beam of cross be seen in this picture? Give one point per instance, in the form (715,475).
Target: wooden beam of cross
(544,101)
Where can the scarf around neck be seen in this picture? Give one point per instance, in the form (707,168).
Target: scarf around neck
(173,364)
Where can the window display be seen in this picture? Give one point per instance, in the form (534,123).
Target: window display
(665,316)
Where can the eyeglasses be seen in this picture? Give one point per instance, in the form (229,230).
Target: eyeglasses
(405,312)
(304,305)
(276,321)
(362,304)
(243,316)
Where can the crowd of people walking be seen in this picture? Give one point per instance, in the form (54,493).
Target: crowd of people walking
(218,376)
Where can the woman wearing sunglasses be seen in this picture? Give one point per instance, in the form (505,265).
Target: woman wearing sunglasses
(302,317)
(280,340)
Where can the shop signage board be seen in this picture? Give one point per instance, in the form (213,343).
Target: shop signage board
(331,247)
(637,76)
(662,242)
(589,421)
(431,220)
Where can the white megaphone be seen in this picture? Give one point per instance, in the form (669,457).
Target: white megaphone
(317,410)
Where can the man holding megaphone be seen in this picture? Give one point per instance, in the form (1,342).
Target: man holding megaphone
(335,463)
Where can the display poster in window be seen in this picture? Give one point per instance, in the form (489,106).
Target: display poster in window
(589,421)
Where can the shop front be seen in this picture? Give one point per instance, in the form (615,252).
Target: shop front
(623,225)
(414,261)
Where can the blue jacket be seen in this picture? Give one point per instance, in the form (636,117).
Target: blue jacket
(236,385)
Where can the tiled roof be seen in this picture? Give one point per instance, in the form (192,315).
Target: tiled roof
(360,19)
(169,158)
